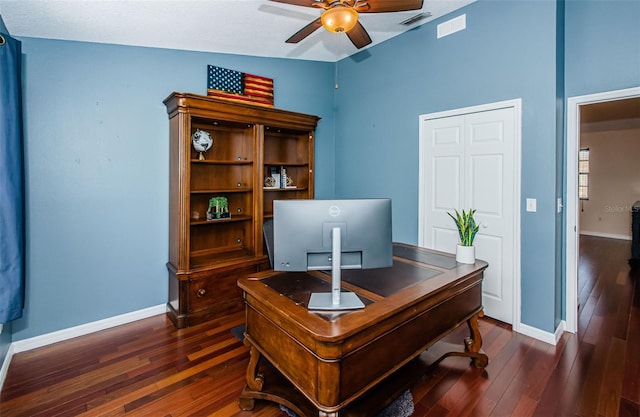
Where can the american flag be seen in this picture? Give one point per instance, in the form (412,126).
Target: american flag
(239,86)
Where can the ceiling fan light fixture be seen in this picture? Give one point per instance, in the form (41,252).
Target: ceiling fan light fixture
(339,19)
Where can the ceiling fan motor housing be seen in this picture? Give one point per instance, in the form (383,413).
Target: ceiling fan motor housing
(339,18)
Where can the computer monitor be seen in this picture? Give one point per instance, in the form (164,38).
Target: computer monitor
(332,235)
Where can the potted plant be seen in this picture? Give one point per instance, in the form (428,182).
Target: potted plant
(218,208)
(467,229)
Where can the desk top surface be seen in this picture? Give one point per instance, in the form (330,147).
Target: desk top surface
(416,273)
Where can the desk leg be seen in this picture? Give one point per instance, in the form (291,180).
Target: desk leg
(472,345)
(271,386)
(255,380)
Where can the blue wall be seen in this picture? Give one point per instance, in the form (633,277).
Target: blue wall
(97,141)
(602,46)
(97,169)
(602,49)
(503,54)
(559,293)
(567,49)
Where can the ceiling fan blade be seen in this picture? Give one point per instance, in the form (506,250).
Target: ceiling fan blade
(304,3)
(384,6)
(305,31)
(359,36)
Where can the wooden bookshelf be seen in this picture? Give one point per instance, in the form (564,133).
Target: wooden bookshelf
(206,257)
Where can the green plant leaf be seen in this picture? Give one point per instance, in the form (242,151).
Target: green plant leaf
(466,224)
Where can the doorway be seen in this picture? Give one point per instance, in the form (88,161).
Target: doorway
(572,201)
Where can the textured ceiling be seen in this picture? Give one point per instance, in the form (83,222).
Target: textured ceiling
(246,27)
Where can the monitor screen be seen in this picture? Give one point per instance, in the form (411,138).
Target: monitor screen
(302,234)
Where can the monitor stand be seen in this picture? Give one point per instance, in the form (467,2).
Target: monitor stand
(335,300)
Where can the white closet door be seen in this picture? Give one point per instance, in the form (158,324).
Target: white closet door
(467,161)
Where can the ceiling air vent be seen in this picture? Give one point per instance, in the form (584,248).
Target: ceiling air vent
(416,18)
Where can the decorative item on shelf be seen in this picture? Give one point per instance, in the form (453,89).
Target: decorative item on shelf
(467,230)
(218,208)
(289,182)
(202,142)
(239,87)
(274,177)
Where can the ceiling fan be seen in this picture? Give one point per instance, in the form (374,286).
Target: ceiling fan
(342,16)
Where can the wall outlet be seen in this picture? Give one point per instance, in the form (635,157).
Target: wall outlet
(532,204)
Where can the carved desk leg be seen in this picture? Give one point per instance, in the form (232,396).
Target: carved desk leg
(473,343)
(255,380)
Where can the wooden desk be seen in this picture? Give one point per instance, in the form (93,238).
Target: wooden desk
(354,363)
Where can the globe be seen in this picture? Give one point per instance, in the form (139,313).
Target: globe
(202,142)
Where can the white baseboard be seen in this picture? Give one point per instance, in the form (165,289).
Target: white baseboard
(607,235)
(83,329)
(547,337)
(562,327)
(5,365)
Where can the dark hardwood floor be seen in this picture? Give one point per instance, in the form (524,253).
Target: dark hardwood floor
(149,368)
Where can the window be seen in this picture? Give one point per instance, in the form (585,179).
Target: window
(583,174)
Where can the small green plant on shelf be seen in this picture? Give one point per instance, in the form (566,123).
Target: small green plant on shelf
(467,227)
(218,208)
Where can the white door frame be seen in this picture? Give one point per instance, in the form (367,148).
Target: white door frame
(572,219)
(516,104)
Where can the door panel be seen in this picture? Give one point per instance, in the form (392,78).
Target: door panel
(444,238)
(489,248)
(468,162)
(447,191)
(446,170)
(487,196)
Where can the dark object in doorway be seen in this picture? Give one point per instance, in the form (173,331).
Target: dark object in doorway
(634,262)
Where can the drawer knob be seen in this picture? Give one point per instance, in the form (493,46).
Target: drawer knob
(201,292)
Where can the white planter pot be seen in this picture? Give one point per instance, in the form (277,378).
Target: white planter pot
(466,254)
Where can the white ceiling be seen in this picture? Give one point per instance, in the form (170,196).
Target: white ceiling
(246,27)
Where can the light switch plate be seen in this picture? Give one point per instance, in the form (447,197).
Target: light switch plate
(531,204)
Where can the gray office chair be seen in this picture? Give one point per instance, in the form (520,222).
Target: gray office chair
(267,229)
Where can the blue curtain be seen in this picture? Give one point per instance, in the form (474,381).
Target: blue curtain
(12,237)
